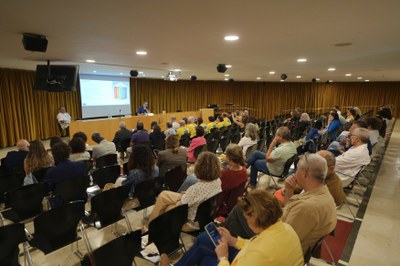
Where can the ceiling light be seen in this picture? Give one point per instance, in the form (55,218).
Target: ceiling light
(90,61)
(231,38)
(272,72)
(317,79)
(331,69)
(141,52)
(367,80)
(226,79)
(162,77)
(359,77)
(121,73)
(176,70)
(302,60)
(226,75)
(298,77)
(94,71)
(228,66)
(141,73)
(282,80)
(258,78)
(348,75)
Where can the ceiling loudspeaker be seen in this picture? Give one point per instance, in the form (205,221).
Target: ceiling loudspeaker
(221,68)
(34,42)
(193,77)
(283,76)
(313,80)
(134,73)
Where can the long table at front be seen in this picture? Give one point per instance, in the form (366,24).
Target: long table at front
(108,126)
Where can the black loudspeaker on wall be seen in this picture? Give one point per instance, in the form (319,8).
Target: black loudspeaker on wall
(134,73)
(34,42)
(221,68)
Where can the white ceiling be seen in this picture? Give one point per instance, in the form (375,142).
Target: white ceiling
(189,35)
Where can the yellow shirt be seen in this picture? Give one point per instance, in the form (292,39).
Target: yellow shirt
(192,130)
(277,245)
(204,126)
(220,125)
(181,131)
(211,126)
(226,122)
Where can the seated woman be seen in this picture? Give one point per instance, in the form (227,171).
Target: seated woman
(351,114)
(302,126)
(78,150)
(276,242)
(36,159)
(333,124)
(201,123)
(199,140)
(315,132)
(157,138)
(220,122)
(172,156)
(141,167)
(207,171)
(250,137)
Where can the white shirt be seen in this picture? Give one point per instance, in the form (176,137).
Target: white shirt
(349,163)
(175,125)
(64,117)
(246,143)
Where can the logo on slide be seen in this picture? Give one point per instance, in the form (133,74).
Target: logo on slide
(120,91)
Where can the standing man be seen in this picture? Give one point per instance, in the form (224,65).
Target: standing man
(64,119)
(143,110)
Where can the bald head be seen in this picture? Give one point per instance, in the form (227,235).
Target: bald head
(23,145)
(330,160)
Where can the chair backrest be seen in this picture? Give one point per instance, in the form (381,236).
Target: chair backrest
(10,181)
(175,177)
(212,145)
(26,202)
(88,165)
(106,160)
(108,174)
(124,144)
(199,149)
(251,149)
(288,163)
(72,189)
(206,211)
(39,174)
(56,228)
(107,205)
(165,230)
(120,251)
(229,199)
(311,250)
(125,167)
(158,144)
(185,140)
(10,237)
(146,193)
(208,137)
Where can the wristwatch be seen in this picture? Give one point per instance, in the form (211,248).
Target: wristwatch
(222,258)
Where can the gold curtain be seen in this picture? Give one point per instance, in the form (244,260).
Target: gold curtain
(267,99)
(29,114)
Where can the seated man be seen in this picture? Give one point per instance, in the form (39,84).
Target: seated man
(140,136)
(182,130)
(122,137)
(374,125)
(175,125)
(64,119)
(350,162)
(191,126)
(170,130)
(103,146)
(212,124)
(14,160)
(273,161)
(143,110)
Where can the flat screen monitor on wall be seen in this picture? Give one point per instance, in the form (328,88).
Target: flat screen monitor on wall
(57,78)
(105,96)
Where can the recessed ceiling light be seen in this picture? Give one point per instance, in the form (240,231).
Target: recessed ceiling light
(121,73)
(359,77)
(140,72)
(94,71)
(367,80)
(317,79)
(231,38)
(141,52)
(258,78)
(176,70)
(282,80)
(162,77)
(331,69)
(272,72)
(226,79)
(90,61)
(302,60)
(226,75)
(298,77)
(228,66)
(330,81)
(348,75)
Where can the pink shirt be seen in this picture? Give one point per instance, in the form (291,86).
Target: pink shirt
(196,142)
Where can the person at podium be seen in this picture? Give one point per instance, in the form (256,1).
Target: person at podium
(143,110)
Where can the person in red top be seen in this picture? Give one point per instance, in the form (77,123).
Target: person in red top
(199,140)
(233,175)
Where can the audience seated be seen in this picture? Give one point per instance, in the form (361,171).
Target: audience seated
(122,137)
(78,150)
(157,138)
(208,172)
(141,166)
(350,162)
(169,131)
(333,124)
(276,242)
(14,160)
(191,126)
(212,124)
(175,125)
(315,132)
(182,130)
(196,142)
(64,168)
(201,123)
(341,118)
(172,156)
(227,122)
(303,124)
(273,161)
(83,136)
(54,140)
(220,122)
(239,119)
(351,114)
(374,124)
(36,159)
(140,136)
(250,137)
(103,146)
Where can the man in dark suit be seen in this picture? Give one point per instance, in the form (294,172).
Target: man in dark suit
(122,138)
(14,160)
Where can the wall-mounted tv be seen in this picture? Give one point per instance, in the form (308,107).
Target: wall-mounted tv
(57,78)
